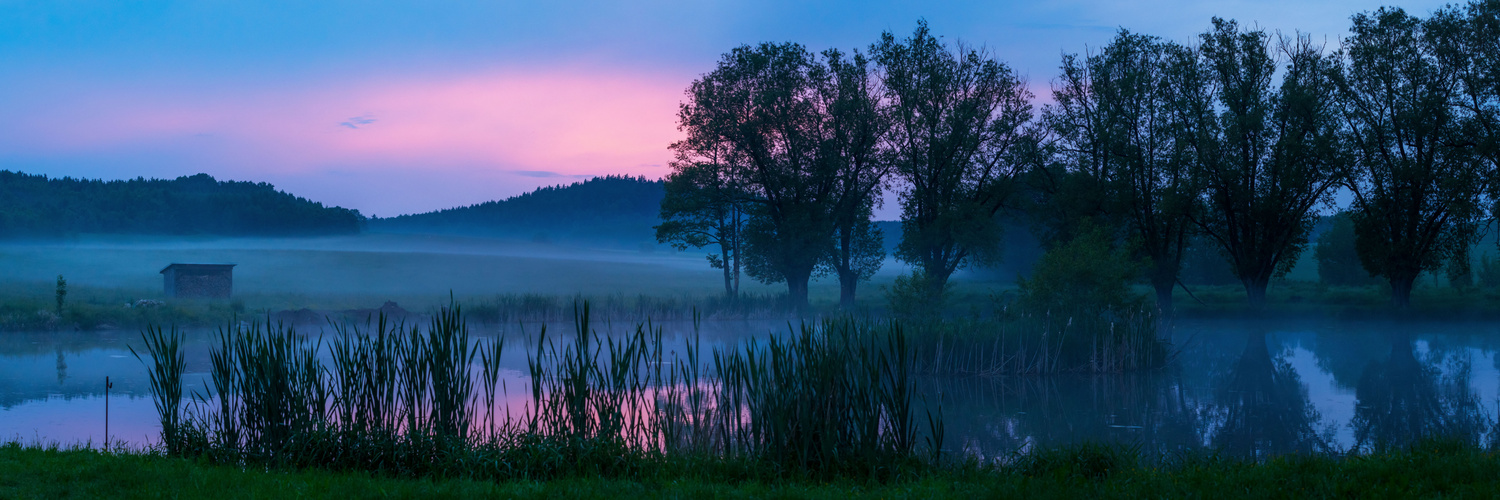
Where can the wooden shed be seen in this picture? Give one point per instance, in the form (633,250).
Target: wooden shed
(199,281)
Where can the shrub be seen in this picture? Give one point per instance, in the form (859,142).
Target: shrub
(1084,275)
(908,297)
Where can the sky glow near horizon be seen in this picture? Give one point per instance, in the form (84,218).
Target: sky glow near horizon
(403,107)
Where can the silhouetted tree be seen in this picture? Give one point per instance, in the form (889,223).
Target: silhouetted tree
(1472,44)
(1418,183)
(610,209)
(859,125)
(1273,153)
(36,206)
(791,126)
(960,134)
(858,251)
(1125,132)
(703,207)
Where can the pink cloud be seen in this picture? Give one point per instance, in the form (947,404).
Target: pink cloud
(569,121)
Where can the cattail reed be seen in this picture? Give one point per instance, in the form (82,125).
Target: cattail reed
(167,364)
(823,399)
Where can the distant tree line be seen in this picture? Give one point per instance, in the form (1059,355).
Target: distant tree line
(609,209)
(1237,141)
(34,206)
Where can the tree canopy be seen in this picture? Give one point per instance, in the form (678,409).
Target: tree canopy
(35,206)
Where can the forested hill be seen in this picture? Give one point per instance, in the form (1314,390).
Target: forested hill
(34,206)
(615,210)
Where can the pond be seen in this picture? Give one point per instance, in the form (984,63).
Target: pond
(1243,387)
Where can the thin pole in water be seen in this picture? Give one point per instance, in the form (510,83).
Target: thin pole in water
(107,386)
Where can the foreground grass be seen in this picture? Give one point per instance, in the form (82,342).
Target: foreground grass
(1431,470)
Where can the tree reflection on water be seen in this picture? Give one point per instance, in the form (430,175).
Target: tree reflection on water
(1261,407)
(1404,399)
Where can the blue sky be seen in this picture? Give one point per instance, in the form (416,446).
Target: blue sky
(399,107)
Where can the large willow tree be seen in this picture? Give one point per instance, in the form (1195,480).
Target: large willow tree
(1272,153)
(960,132)
(1124,132)
(1419,177)
(788,126)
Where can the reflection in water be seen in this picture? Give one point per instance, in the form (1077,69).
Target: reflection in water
(62,367)
(1402,400)
(994,417)
(1262,408)
(1255,394)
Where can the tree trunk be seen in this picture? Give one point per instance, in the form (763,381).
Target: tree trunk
(1166,263)
(728,279)
(1164,297)
(735,238)
(796,293)
(937,282)
(848,280)
(1163,279)
(1255,289)
(1401,290)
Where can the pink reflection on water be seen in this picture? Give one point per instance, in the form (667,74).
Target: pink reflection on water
(80,420)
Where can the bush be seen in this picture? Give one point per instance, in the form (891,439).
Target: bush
(908,297)
(1085,274)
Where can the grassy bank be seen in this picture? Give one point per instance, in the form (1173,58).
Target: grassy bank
(1308,298)
(1431,470)
(32,306)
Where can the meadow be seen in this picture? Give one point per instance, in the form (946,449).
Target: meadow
(363,389)
(1425,471)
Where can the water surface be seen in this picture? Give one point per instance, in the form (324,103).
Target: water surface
(1245,388)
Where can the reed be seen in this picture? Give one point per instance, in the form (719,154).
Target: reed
(540,308)
(167,364)
(826,399)
(1033,343)
(829,398)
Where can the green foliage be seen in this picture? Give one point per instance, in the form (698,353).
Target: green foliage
(911,296)
(831,398)
(1275,152)
(35,206)
(1086,275)
(1338,259)
(1086,462)
(1435,469)
(1075,314)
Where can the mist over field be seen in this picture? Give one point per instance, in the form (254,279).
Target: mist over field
(1194,258)
(364,270)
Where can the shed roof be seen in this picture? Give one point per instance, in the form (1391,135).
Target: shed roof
(198,267)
